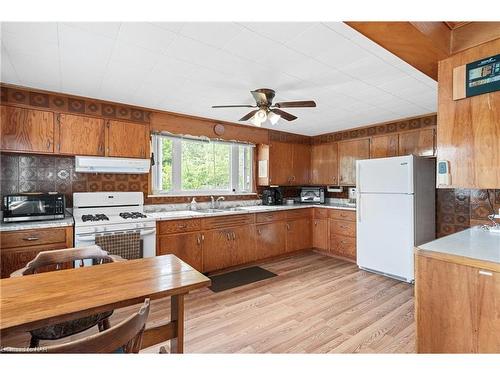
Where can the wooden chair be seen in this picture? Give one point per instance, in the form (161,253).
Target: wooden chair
(55,260)
(125,337)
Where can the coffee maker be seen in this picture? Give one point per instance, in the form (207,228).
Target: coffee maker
(272,196)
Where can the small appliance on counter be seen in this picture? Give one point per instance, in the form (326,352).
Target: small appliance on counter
(33,206)
(272,197)
(314,195)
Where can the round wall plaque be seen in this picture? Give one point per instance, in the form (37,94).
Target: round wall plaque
(219,129)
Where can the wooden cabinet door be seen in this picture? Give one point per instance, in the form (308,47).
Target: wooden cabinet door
(324,164)
(349,152)
(488,315)
(280,163)
(186,246)
(301,164)
(299,234)
(384,146)
(320,234)
(270,239)
(419,142)
(80,135)
(127,139)
(243,247)
(26,130)
(217,250)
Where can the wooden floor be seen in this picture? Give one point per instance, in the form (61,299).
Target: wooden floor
(316,304)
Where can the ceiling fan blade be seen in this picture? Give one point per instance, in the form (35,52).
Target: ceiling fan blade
(287,116)
(234,106)
(297,104)
(248,116)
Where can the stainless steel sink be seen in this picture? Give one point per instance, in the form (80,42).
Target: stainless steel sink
(210,211)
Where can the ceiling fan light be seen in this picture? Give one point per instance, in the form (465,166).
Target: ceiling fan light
(273,118)
(261,115)
(255,121)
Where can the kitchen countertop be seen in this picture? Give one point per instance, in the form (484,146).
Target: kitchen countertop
(474,243)
(66,222)
(173,215)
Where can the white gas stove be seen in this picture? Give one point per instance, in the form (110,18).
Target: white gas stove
(112,212)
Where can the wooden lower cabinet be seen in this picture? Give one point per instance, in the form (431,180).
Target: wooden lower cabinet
(457,307)
(186,246)
(21,246)
(320,234)
(270,239)
(223,248)
(298,235)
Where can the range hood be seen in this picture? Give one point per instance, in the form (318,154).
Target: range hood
(96,164)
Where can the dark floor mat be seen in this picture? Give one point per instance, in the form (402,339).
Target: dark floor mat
(238,278)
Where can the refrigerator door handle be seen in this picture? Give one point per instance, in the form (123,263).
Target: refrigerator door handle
(358,208)
(358,173)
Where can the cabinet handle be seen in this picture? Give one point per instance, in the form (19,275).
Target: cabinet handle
(288,226)
(32,238)
(198,239)
(48,145)
(259,231)
(228,236)
(316,223)
(203,237)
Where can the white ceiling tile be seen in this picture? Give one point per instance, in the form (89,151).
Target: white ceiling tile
(250,45)
(280,32)
(76,42)
(36,71)
(315,40)
(216,34)
(146,35)
(176,27)
(109,29)
(8,73)
(41,32)
(28,43)
(342,29)
(134,56)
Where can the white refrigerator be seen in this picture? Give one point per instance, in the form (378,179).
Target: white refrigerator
(395,212)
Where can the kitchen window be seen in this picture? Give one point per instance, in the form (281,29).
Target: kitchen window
(197,166)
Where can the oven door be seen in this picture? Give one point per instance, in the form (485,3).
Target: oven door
(148,240)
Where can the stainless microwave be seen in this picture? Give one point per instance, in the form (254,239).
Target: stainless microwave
(36,206)
(312,195)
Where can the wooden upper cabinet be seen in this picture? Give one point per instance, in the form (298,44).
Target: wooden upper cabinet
(26,130)
(418,142)
(349,152)
(324,164)
(384,146)
(280,163)
(80,135)
(301,164)
(127,139)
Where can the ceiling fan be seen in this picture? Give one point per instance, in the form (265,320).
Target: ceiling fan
(266,110)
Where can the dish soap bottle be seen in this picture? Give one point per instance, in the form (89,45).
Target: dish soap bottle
(194,205)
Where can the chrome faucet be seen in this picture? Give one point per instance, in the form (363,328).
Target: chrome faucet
(219,200)
(212,204)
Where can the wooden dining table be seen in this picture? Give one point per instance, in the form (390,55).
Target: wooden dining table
(39,300)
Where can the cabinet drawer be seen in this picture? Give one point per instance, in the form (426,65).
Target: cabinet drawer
(33,237)
(342,215)
(342,227)
(299,214)
(320,213)
(266,217)
(228,221)
(179,226)
(343,246)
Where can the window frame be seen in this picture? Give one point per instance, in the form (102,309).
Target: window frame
(176,182)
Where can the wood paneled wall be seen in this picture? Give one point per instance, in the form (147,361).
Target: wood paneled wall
(468,135)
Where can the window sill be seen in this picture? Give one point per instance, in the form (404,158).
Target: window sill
(198,195)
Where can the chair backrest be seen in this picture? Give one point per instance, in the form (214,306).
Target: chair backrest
(126,335)
(57,259)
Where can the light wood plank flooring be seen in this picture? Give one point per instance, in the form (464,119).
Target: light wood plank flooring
(317,304)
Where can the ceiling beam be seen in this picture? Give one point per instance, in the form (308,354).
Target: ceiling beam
(420,44)
(472,34)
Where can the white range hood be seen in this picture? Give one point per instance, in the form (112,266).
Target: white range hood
(96,164)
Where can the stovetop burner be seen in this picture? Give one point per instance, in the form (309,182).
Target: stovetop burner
(97,217)
(132,215)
